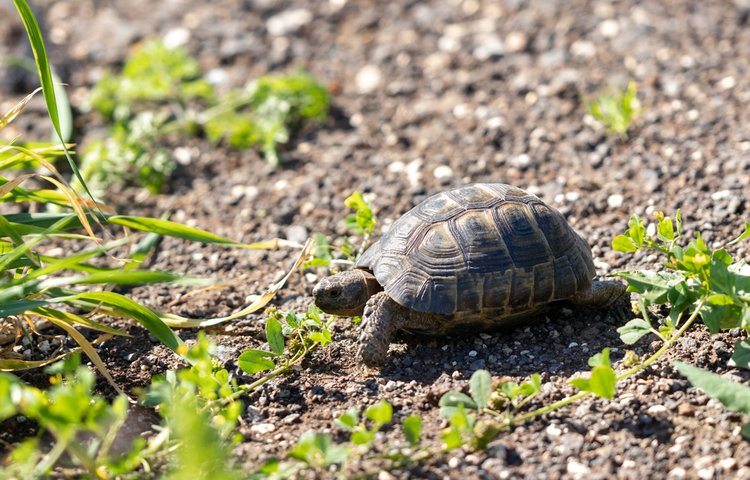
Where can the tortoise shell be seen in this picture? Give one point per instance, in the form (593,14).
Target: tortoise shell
(486,248)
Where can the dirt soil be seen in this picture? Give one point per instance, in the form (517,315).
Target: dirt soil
(430,95)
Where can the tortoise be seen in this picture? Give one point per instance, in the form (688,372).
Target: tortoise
(477,258)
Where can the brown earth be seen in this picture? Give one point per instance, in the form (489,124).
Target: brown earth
(430,95)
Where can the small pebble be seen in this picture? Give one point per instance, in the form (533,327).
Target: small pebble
(454,462)
(288,21)
(677,472)
(516,42)
(577,469)
(443,172)
(657,410)
(291,418)
(615,200)
(553,431)
(368,79)
(297,233)
(383,475)
(609,28)
(263,428)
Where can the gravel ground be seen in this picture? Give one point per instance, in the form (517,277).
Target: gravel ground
(429,95)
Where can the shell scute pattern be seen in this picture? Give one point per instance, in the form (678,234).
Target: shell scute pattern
(489,248)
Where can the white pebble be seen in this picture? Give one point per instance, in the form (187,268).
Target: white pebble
(176,37)
(263,428)
(183,155)
(677,472)
(288,21)
(554,431)
(706,473)
(577,469)
(454,462)
(443,172)
(368,79)
(383,475)
(473,353)
(516,41)
(583,49)
(572,196)
(615,200)
(726,83)
(609,28)
(656,409)
(728,463)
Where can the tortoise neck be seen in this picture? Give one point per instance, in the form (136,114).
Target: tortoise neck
(371,282)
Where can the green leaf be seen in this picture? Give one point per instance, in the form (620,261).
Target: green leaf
(274,336)
(137,277)
(734,396)
(746,431)
(380,412)
(254,361)
(653,286)
(362,221)
(743,235)
(317,450)
(455,399)
(173,229)
(451,438)
(349,419)
(720,299)
(362,437)
(622,243)
(632,331)
(531,387)
(741,355)
(292,320)
(480,386)
(601,358)
(636,230)
(666,230)
(602,381)
(323,337)
(720,317)
(138,312)
(412,427)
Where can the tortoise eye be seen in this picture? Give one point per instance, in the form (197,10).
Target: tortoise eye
(335,292)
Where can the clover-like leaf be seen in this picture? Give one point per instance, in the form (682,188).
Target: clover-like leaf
(480,386)
(634,330)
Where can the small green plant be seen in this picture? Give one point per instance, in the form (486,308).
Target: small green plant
(699,282)
(360,223)
(616,109)
(161,90)
(304,335)
(318,451)
(198,406)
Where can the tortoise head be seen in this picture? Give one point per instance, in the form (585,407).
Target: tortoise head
(346,292)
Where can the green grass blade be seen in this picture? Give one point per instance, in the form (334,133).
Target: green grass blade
(45,77)
(139,277)
(43,220)
(19,306)
(74,319)
(141,314)
(172,229)
(24,247)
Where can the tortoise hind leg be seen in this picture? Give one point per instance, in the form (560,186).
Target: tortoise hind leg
(382,318)
(601,292)
(606,293)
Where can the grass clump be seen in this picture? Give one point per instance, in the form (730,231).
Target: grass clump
(162,91)
(616,109)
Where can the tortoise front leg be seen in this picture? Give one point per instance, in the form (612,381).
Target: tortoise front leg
(382,318)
